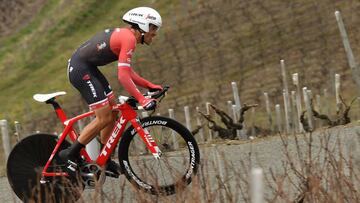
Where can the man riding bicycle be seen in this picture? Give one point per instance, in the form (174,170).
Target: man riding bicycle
(104,48)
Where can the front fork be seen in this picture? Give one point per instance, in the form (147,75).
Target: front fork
(147,138)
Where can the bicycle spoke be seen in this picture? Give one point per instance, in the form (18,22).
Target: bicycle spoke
(162,173)
(171,169)
(166,166)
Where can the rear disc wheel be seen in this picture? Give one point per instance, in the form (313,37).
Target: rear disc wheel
(24,167)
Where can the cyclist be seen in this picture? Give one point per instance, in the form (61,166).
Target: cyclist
(106,47)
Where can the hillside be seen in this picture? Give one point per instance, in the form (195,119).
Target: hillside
(16,14)
(202,47)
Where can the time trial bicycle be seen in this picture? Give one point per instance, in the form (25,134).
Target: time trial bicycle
(157,154)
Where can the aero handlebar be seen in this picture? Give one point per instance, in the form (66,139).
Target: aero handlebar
(153,95)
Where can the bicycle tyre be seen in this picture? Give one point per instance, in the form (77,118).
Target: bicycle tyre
(135,166)
(24,167)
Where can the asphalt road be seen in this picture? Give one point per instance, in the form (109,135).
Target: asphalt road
(225,169)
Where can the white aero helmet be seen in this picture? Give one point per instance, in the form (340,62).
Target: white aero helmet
(143,17)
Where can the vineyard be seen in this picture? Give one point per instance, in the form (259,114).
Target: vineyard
(219,58)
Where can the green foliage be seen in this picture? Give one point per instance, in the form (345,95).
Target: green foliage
(35,58)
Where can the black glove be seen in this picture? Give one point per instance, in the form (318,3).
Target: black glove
(154,88)
(149,104)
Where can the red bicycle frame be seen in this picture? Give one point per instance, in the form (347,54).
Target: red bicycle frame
(128,114)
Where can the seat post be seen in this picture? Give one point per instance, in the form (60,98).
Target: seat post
(59,111)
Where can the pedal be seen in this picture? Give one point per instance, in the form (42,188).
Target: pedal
(111,174)
(88,175)
(43,180)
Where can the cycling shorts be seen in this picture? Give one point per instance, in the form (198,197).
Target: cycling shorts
(90,82)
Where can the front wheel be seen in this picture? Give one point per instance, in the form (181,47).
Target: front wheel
(177,165)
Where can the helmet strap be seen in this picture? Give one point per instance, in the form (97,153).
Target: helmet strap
(142,37)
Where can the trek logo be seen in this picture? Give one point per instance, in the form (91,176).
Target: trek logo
(115,132)
(92,88)
(86,77)
(130,52)
(101,46)
(148,138)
